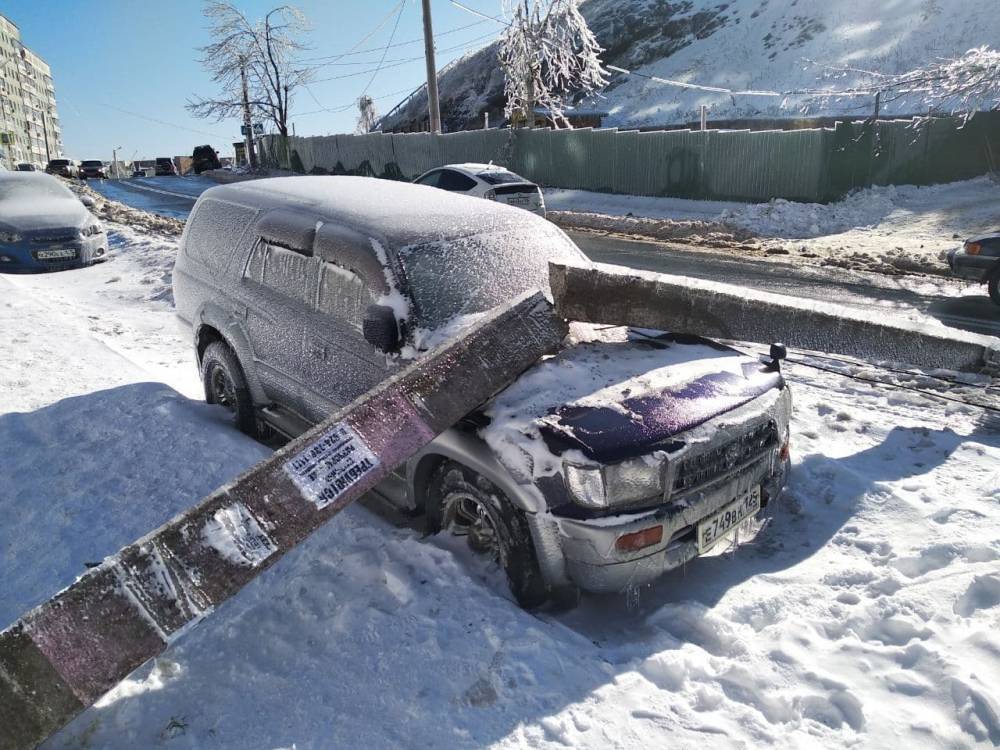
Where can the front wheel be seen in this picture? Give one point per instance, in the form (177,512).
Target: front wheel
(464,503)
(226,385)
(993,285)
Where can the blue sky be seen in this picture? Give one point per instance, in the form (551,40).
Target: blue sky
(110,58)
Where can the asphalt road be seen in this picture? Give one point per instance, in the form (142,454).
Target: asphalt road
(952,303)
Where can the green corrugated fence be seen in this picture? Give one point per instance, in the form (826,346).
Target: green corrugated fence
(805,165)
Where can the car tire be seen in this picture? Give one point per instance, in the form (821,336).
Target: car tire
(455,494)
(226,385)
(993,286)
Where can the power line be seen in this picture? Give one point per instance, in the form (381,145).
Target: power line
(385,51)
(475,12)
(162,122)
(404,61)
(351,52)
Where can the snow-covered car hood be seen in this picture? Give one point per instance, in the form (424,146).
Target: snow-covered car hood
(615,393)
(55,213)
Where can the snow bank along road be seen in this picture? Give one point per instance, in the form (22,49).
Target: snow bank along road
(867,614)
(954,304)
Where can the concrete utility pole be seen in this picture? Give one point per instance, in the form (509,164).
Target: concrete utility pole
(433,105)
(247,120)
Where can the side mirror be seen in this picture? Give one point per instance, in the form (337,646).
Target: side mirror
(381,329)
(778,353)
(87,201)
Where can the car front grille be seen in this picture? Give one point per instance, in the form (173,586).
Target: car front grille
(701,469)
(68,235)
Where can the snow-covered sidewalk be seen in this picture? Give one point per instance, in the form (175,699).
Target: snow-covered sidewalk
(867,614)
(898,228)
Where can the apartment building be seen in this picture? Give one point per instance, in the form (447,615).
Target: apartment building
(29,123)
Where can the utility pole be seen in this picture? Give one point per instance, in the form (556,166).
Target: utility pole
(433,105)
(247,120)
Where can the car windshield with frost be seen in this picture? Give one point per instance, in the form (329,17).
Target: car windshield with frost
(471,274)
(15,190)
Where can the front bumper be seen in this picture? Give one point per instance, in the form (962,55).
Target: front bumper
(23,256)
(971,267)
(595,564)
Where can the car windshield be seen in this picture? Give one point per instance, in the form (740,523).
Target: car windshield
(15,190)
(474,273)
(59,162)
(92,163)
(500,177)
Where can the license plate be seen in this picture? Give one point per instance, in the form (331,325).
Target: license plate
(57,252)
(714,528)
(518,201)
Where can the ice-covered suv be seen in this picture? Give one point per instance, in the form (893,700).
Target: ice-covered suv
(625,454)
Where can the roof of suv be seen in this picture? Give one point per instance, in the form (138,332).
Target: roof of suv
(398,213)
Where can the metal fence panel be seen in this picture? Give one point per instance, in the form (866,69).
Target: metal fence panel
(809,165)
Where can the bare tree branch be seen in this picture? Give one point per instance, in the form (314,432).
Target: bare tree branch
(266,48)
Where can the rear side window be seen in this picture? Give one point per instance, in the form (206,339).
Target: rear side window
(430,179)
(451,180)
(288,272)
(343,295)
(215,231)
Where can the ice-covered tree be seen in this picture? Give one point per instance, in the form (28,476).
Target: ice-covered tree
(367,115)
(262,50)
(961,86)
(547,54)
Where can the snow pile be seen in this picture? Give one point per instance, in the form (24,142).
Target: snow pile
(119,213)
(889,229)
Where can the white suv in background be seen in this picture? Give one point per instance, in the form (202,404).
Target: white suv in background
(488,181)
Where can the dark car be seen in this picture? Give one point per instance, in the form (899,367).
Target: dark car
(979,260)
(164,167)
(62,168)
(204,158)
(26,167)
(93,168)
(44,227)
(626,454)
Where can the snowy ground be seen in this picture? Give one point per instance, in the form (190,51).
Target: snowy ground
(867,615)
(898,228)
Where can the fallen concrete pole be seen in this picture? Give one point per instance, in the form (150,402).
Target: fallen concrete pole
(624,296)
(62,656)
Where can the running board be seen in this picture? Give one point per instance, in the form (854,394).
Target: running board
(288,423)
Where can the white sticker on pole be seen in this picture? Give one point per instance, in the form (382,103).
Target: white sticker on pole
(235,534)
(337,461)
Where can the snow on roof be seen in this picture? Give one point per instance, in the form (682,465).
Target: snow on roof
(474,168)
(398,213)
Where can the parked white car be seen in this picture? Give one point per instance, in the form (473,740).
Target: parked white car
(489,181)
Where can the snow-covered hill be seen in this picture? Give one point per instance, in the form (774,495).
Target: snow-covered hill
(778,45)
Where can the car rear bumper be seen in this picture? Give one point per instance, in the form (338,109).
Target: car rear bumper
(595,564)
(971,267)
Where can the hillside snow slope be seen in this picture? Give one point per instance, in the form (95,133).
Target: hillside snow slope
(777,45)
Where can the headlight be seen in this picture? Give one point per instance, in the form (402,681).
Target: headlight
(617,484)
(90,230)
(635,479)
(10,237)
(586,485)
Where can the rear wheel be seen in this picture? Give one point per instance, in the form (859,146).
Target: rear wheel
(463,503)
(993,285)
(226,385)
